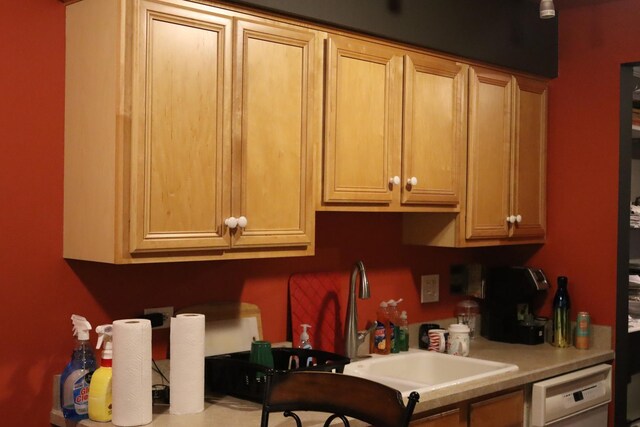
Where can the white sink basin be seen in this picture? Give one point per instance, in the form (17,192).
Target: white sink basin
(423,371)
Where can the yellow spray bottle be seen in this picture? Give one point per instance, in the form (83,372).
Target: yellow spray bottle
(100,387)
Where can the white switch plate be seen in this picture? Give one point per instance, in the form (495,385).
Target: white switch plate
(167,314)
(430,288)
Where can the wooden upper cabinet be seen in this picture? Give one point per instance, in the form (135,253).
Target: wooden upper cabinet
(362,121)
(395,128)
(507,157)
(182,143)
(180,129)
(277,96)
(434,137)
(194,132)
(506,168)
(489,151)
(530,153)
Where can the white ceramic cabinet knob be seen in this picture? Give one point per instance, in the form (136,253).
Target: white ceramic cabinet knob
(395,180)
(232,222)
(511,219)
(412,181)
(518,218)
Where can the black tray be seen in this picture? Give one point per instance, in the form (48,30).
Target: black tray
(234,375)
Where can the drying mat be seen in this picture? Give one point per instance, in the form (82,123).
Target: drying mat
(314,299)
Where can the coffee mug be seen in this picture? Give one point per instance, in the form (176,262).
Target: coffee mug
(423,335)
(458,344)
(437,340)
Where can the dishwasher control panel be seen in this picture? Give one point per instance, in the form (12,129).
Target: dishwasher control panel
(590,393)
(569,395)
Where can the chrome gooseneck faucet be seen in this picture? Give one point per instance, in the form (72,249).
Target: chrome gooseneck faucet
(352,338)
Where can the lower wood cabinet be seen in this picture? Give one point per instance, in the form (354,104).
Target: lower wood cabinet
(454,418)
(498,410)
(506,410)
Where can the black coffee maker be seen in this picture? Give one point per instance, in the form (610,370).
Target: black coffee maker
(511,296)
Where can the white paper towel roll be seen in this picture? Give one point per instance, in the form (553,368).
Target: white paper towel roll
(187,364)
(132,400)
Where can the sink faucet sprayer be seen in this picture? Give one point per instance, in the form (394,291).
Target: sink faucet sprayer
(352,338)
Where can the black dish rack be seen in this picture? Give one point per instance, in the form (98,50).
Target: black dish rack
(234,375)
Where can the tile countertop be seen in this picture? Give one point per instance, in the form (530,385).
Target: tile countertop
(535,363)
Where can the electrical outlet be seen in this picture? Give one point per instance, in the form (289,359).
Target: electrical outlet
(167,314)
(430,288)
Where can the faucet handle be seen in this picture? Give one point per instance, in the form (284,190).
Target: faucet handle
(363,333)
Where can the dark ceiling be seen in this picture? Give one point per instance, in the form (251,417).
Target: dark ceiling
(570,4)
(508,33)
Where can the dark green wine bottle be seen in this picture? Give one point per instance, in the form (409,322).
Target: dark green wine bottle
(561,316)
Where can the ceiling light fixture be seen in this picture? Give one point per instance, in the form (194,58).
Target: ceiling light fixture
(546,9)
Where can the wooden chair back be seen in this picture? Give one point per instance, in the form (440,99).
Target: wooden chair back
(337,394)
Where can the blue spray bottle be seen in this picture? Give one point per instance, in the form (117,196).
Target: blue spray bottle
(76,377)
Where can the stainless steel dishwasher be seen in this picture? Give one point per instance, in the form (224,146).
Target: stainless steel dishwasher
(579,398)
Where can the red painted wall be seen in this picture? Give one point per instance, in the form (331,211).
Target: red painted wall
(41,290)
(583,159)
(583,154)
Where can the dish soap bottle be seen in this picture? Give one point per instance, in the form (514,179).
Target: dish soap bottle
(561,319)
(381,339)
(394,325)
(100,387)
(76,377)
(403,334)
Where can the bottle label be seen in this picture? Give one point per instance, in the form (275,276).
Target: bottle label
(403,339)
(582,324)
(380,337)
(395,339)
(582,330)
(561,328)
(392,336)
(81,394)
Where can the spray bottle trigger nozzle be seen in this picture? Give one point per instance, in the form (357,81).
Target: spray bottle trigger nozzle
(81,327)
(102,331)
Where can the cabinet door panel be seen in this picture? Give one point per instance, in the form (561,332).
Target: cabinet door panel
(502,411)
(273,134)
(362,118)
(453,418)
(434,129)
(529,198)
(488,178)
(179,141)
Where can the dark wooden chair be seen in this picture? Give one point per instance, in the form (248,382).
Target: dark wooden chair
(343,396)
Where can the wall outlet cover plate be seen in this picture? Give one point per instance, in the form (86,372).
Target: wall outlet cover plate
(430,288)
